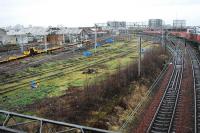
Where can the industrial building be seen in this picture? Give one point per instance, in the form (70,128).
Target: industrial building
(155,23)
(179,23)
(116,24)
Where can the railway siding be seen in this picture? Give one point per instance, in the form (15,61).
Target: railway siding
(13,91)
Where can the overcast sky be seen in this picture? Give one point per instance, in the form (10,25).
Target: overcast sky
(72,13)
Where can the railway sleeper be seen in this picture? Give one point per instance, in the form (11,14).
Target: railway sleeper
(195,66)
(171,89)
(164,115)
(197,88)
(163,119)
(198,106)
(198,101)
(154,131)
(167,104)
(198,93)
(172,96)
(197,81)
(197,84)
(166,108)
(197,76)
(196,73)
(171,92)
(198,114)
(165,125)
(169,101)
(160,129)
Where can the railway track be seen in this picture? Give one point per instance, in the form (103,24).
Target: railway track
(60,67)
(196,76)
(163,119)
(61,72)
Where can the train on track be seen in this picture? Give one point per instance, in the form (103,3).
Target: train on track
(188,35)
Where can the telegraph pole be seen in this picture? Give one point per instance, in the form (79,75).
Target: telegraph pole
(63,38)
(45,42)
(95,44)
(162,37)
(21,42)
(139,60)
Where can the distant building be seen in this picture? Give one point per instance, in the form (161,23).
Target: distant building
(3,36)
(179,23)
(116,24)
(54,39)
(26,35)
(11,39)
(22,39)
(74,35)
(155,23)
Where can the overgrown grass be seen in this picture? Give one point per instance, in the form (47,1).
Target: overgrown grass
(98,99)
(59,85)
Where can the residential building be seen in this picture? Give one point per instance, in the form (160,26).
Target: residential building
(3,36)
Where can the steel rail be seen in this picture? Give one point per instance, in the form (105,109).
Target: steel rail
(132,112)
(195,69)
(171,92)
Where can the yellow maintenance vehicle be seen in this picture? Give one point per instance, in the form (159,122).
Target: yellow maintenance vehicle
(30,52)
